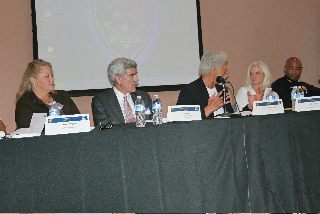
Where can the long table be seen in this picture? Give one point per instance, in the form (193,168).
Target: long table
(250,164)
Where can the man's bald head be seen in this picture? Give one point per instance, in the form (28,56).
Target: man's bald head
(293,68)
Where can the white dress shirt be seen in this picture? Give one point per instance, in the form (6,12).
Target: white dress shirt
(120,97)
(242,96)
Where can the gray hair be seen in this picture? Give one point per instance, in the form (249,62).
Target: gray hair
(212,59)
(267,75)
(118,67)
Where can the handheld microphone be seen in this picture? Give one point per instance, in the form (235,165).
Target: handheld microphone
(220,79)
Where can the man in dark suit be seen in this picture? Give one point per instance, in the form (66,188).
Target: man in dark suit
(205,91)
(283,86)
(116,105)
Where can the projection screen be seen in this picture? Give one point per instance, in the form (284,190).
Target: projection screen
(81,37)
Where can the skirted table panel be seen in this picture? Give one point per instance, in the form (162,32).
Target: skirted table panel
(249,164)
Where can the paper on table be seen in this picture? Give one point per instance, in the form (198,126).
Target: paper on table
(245,113)
(2,134)
(35,129)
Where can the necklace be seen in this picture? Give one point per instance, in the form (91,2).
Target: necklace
(48,99)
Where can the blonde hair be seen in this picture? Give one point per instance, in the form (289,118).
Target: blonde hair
(267,80)
(32,70)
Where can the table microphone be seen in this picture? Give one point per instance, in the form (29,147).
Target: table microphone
(220,79)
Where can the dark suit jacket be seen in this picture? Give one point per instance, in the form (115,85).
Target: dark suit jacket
(283,87)
(29,103)
(106,108)
(195,93)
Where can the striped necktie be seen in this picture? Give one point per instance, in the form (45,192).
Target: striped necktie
(128,114)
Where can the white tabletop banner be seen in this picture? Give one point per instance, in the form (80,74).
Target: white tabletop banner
(306,104)
(267,107)
(183,113)
(66,124)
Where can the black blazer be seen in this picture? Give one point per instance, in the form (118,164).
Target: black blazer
(106,108)
(283,87)
(29,103)
(195,93)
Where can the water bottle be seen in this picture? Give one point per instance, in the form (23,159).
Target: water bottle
(297,92)
(156,110)
(54,112)
(140,112)
(54,108)
(270,94)
(294,93)
(301,92)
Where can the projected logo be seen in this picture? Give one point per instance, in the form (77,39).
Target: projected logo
(124,26)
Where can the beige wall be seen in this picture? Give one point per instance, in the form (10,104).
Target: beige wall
(15,53)
(248,30)
(268,30)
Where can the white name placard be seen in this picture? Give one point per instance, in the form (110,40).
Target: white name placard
(267,107)
(306,104)
(36,126)
(183,113)
(66,124)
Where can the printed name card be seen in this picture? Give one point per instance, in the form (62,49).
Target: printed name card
(267,107)
(66,124)
(183,113)
(306,104)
